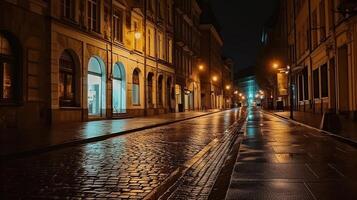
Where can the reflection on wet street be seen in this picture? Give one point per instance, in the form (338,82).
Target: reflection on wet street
(126,166)
(281,160)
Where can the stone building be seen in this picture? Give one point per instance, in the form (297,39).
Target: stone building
(227,82)
(211,54)
(322,46)
(187,54)
(84,60)
(24,59)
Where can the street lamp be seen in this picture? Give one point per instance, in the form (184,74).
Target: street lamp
(228,87)
(214,78)
(201,67)
(287,71)
(137,35)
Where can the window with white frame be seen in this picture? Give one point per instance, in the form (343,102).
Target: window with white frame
(136,88)
(93,15)
(150,42)
(160,47)
(67,9)
(118,25)
(169,56)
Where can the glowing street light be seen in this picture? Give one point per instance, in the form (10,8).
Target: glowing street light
(275,65)
(214,78)
(240,94)
(201,67)
(236,92)
(137,35)
(228,87)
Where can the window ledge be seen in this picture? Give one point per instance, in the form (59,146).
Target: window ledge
(70,108)
(136,105)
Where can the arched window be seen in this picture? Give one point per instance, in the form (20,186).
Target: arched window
(96,87)
(66,80)
(150,86)
(136,88)
(7,71)
(119,91)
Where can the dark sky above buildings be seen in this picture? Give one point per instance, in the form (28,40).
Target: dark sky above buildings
(241,25)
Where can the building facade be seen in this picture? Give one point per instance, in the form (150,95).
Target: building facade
(322,41)
(212,82)
(187,55)
(86,60)
(66,61)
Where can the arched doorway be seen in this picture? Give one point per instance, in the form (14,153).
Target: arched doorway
(119,89)
(169,93)
(160,91)
(150,90)
(96,87)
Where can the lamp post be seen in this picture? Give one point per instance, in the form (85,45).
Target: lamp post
(287,70)
(291,92)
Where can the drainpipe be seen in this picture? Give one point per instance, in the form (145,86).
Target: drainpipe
(144,46)
(310,50)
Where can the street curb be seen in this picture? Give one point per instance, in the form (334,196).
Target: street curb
(335,136)
(93,139)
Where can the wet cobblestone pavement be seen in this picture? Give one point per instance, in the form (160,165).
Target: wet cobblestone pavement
(282,160)
(127,166)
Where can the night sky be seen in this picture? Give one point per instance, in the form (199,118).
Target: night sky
(241,25)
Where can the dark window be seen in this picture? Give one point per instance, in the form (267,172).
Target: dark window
(306,84)
(301,88)
(93,15)
(67,80)
(322,21)
(7,71)
(314,29)
(160,91)
(316,83)
(67,9)
(324,79)
(150,76)
(118,26)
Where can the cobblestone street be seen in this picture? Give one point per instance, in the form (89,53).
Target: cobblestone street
(127,166)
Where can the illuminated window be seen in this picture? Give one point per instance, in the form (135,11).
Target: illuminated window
(67,80)
(67,9)
(136,27)
(7,72)
(93,15)
(136,88)
(119,91)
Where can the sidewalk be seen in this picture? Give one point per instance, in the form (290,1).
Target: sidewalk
(279,159)
(349,128)
(44,139)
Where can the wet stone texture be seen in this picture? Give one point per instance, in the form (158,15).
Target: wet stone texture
(127,166)
(281,160)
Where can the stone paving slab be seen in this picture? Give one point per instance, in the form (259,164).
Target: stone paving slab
(20,142)
(349,127)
